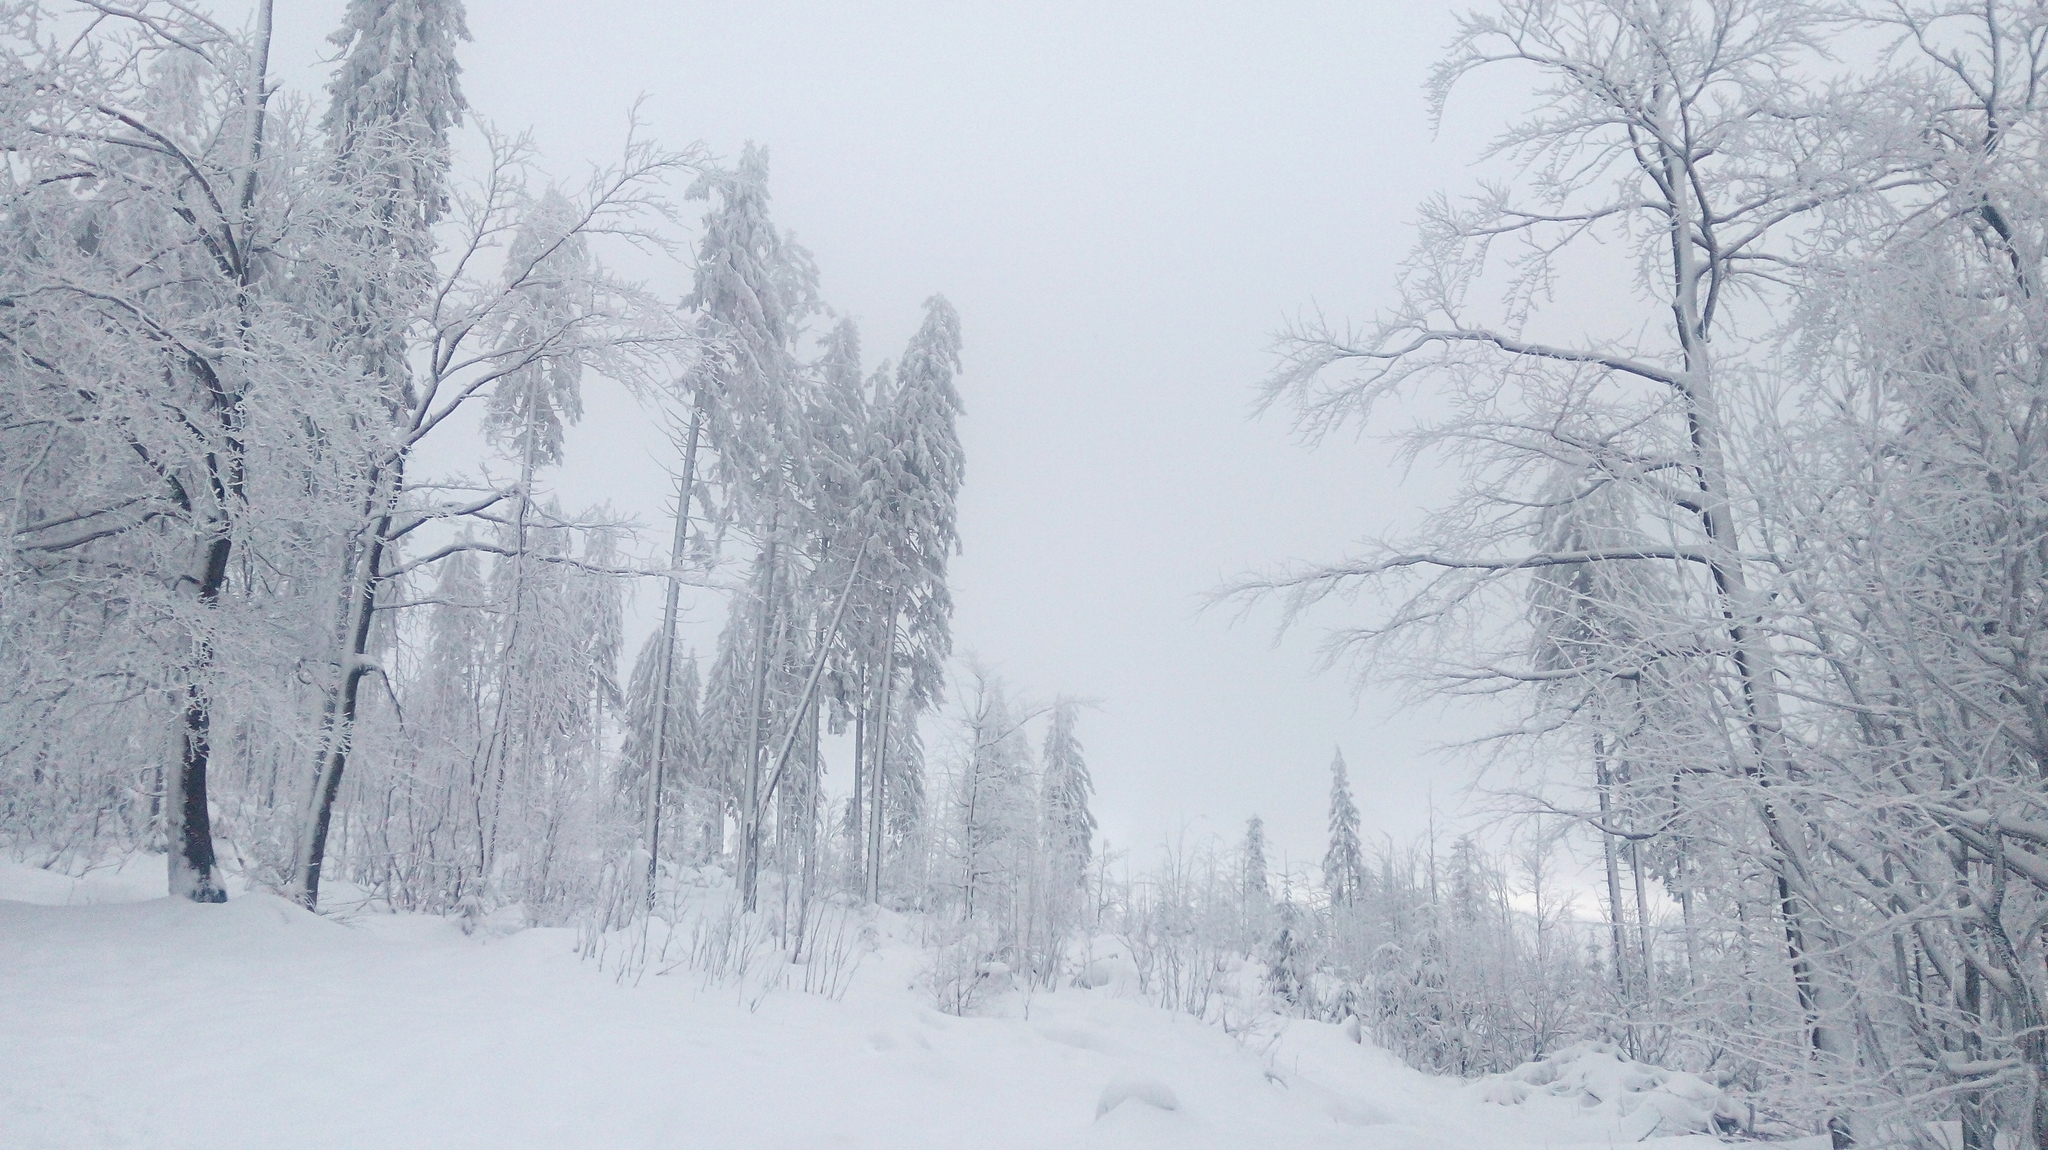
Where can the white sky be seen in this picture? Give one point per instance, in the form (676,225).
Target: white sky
(1124,202)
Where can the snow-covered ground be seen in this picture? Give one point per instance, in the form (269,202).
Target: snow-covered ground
(134,1021)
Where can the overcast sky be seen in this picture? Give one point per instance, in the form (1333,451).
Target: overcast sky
(1124,202)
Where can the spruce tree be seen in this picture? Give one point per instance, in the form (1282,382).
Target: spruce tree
(1257,892)
(910,484)
(391,104)
(753,290)
(917,476)
(1344,862)
(1070,825)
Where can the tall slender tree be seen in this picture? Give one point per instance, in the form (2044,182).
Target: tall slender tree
(1344,861)
(390,108)
(1257,886)
(1069,823)
(910,486)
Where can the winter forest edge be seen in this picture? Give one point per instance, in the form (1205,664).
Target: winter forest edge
(1736,357)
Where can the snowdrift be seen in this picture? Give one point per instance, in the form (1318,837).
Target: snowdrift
(1596,1079)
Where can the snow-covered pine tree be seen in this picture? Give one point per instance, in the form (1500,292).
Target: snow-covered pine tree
(1069,823)
(547,268)
(828,608)
(868,633)
(922,469)
(1253,867)
(841,436)
(754,289)
(391,104)
(752,292)
(682,777)
(905,809)
(1344,861)
(911,484)
(994,813)
(541,393)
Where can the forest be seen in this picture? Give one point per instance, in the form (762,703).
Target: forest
(1735,358)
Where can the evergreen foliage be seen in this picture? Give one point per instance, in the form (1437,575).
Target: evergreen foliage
(1344,861)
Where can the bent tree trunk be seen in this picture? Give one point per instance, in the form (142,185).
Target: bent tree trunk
(657,758)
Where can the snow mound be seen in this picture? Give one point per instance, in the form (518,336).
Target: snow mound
(135,879)
(1083,1038)
(1106,963)
(1340,1108)
(1128,1087)
(1600,1081)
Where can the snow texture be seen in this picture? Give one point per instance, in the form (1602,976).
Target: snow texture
(162,1024)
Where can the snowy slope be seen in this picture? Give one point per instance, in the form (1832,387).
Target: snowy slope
(255,1024)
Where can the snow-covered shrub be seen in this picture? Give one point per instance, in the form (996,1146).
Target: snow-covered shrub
(1104,962)
(828,948)
(962,973)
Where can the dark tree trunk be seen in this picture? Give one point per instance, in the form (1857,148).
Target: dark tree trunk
(188,831)
(360,610)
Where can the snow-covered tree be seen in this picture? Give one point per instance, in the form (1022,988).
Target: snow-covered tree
(1252,861)
(1344,860)
(1069,823)
(163,360)
(910,483)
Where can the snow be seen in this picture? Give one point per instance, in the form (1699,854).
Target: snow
(1597,1078)
(1134,1088)
(127,1023)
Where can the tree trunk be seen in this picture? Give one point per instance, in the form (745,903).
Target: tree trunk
(856,837)
(814,777)
(1616,949)
(1692,936)
(658,754)
(360,607)
(881,772)
(750,805)
(1649,967)
(194,873)
(1751,653)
